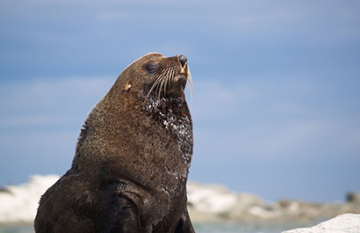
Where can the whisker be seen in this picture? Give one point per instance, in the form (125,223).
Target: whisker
(155,84)
(161,86)
(165,85)
(166,78)
(190,82)
(169,77)
(172,76)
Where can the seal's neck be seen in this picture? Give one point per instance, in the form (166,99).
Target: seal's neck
(173,113)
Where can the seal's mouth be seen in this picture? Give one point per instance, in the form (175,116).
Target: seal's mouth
(172,79)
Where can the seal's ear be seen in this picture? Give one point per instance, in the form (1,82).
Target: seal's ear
(126,88)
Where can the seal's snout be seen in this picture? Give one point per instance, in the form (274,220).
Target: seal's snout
(182,60)
(171,77)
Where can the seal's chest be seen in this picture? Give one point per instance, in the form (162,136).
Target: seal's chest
(174,115)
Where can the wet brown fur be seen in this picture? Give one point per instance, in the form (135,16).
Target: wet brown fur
(131,163)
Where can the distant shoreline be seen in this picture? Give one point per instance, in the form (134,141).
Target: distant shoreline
(206,203)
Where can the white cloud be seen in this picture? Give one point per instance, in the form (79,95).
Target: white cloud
(39,144)
(281,140)
(213,99)
(260,120)
(44,101)
(289,108)
(43,92)
(31,120)
(171,48)
(287,139)
(243,17)
(249,119)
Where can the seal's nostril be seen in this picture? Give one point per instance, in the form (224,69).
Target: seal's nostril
(182,60)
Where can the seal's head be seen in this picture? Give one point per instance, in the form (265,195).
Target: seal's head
(154,75)
(148,94)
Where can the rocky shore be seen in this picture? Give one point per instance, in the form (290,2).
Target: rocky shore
(206,203)
(346,223)
(209,203)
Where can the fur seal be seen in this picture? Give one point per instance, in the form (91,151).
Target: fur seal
(132,158)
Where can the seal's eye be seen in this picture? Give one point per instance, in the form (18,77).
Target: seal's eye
(151,67)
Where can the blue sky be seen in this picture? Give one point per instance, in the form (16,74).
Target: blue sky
(276,102)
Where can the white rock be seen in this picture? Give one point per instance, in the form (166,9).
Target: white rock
(219,200)
(20,203)
(346,223)
(210,198)
(263,213)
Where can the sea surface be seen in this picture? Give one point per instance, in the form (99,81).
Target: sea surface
(199,228)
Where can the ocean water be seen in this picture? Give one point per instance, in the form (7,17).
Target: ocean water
(16,229)
(199,228)
(247,227)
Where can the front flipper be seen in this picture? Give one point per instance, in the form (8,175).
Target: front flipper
(120,214)
(123,217)
(185,225)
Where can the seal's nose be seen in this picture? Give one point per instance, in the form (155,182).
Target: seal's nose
(182,60)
